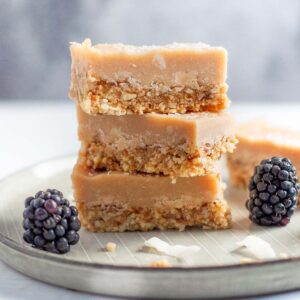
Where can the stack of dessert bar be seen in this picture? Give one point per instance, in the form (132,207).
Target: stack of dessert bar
(153,126)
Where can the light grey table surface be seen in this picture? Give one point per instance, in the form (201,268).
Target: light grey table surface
(32,132)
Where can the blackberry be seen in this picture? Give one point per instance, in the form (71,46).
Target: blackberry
(273,192)
(50,223)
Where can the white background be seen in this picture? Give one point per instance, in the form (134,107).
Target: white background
(262,38)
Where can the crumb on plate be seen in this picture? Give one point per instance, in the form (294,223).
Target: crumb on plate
(247,260)
(161,263)
(110,247)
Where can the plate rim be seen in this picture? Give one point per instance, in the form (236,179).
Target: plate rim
(58,258)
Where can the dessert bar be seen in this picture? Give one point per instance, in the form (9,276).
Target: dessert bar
(115,201)
(119,79)
(257,141)
(178,145)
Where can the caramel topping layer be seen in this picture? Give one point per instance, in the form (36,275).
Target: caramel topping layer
(143,190)
(188,131)
(261,133)
(175,64)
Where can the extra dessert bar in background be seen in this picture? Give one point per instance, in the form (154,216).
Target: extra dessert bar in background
(177,145)
(115,201)
(259,140)
(119,79)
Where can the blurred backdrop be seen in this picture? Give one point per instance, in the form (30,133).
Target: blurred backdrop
(262,38)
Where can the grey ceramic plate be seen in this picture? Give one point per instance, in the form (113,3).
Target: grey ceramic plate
(216,271)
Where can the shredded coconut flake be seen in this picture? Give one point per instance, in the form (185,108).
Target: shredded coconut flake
(172,250)
(283,255)
(258,247)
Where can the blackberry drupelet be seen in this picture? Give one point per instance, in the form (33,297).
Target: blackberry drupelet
(50,223)
(273,192)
